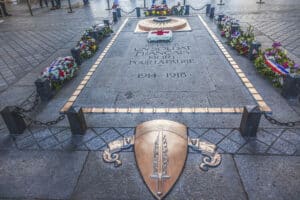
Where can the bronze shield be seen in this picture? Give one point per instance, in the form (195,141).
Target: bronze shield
(160,151)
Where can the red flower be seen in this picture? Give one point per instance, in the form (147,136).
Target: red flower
(61,73)
(285,65)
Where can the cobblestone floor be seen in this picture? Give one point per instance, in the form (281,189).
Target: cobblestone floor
(268,141)
(27,42)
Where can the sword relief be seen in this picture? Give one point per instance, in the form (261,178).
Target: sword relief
(160,162)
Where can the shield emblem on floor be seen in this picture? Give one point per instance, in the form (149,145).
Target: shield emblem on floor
(160,149)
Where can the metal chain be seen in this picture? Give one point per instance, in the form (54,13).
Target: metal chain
(21,112)
(197,9)
(127,13)
(40,123)
(276,122)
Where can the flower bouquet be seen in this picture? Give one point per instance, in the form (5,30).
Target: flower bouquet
(60,70)
(98,32)
(230,28)
(87,46)
(158,10)
(223,22)
(241,41)
(275,64)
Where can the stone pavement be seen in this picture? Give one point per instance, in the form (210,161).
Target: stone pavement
(51,163)
(83,175)
(28,43)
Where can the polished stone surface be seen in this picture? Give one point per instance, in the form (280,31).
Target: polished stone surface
(39,174)
(266,177)
(102,180)
(188,72)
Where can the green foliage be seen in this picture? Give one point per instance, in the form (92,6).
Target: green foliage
(264,70)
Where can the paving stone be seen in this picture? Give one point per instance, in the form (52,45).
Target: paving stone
(122,131)
(73,143)
(265,137)
(48,142)
(6,141)
(198,131)
(96,143)
(270,177)
(224,131)
(55,130)
(39,174)
(284,146)
(27,141)
(88,135)
(63,135)
(229,146)
(131,186)
(192,134)
(213,136)
(274,152)
(254,146)
(290,136)
(100,130)
(129,133)
(237,137)
(42,134)
(25,134)
(110,135)
(32,147)
(276,132)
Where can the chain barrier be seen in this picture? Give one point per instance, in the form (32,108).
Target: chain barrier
(127,13)
(198,9)
(276,122)
(22,112)
(40,123)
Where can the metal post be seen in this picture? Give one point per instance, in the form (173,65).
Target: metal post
(75,52)
(138,11)
(208,6)
(108,5)
(70,7)
(220,17)
(260,2)
(118,12)
(234,27)
(250,121)
(106,22)
(212,12)
(29,7)
(144,3)
(14,122)
(187,10)
(221,3)
(76,120)
(115,17)
(254,49)
(44,89)
(291,87)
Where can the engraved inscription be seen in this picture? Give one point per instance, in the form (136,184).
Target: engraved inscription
(162,55)
(171,75)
